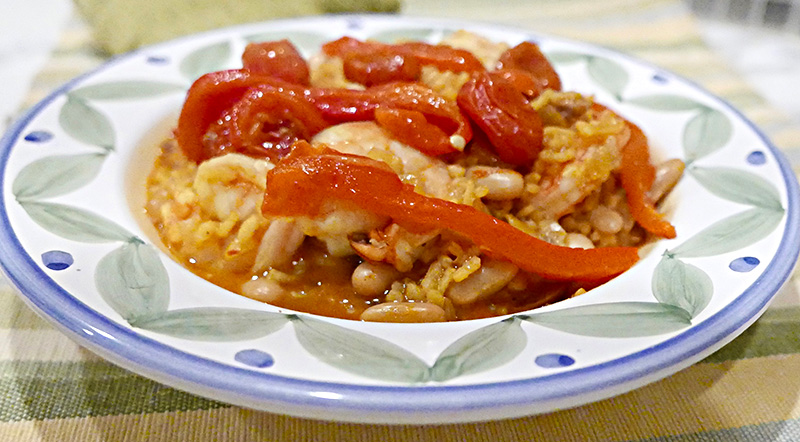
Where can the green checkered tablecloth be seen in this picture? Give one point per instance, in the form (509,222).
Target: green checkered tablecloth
(53,390)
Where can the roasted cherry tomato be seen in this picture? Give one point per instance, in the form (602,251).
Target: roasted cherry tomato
(502,112)
(527,57)
(277,59)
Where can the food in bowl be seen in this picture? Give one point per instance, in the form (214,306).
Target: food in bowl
(404,182)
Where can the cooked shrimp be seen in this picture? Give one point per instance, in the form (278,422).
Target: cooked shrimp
(575,162)
(232,183)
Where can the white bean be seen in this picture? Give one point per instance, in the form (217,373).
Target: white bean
(578,241)
(404,312)
(606,220)
(502,184)
(263,290)
(371,279)
(486,281)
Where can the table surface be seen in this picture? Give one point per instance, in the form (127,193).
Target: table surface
(747,391)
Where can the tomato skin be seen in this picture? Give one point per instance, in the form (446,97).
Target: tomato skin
(322,174)
(527,57)
(411,127)
(496,106)
(265,122)
(277,59)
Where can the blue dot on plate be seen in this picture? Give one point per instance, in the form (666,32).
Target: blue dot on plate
(157,59)
(554,360)
(39,136)
(354,23)
(756,158)
(255,358)
(659,78)
(57,260)
(744,264)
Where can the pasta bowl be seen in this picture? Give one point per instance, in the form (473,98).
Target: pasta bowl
(73,241)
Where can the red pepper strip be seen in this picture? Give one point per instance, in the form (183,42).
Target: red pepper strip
(637,175)
(526,56)
(302,182)
(411,127)
(502,112)
(277,59)
(372,63)
(264,123)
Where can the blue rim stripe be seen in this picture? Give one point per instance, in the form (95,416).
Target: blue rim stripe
(171,365)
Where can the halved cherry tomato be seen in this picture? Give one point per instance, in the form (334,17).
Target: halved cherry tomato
(321,175)
(277,59)
(502,112)
(526,56)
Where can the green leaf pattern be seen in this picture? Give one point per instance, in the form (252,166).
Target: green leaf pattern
(358,352)
(682,285)
(133,281)
(219,324)
(75,223)
(56,175)
(85,123)
(480,350)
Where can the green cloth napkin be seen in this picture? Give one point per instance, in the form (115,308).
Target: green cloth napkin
(122,25)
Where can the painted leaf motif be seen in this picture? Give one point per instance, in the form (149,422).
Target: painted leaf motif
(74,223)
(214,323)
(665,102)
(615,319)
(207,59)
(739,186)
(706,132)
(86,124)
(358,352)
(682,285)
(133,281)
(480,350)
(56,175)
(609,75)
(122,90)
(731,233)
(564,57)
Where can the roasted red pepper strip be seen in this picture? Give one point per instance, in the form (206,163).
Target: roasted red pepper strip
(302,182)
(277,59)
(371,63)
(637,175)
(527,57)
(213,96)
(502,112)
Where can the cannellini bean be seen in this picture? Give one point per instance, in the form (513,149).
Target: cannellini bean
(263,290)
(606,220)
(404,312)
(502,184)
(578,241)
(486,281)
(667,175)
(278,245)
(371,279)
